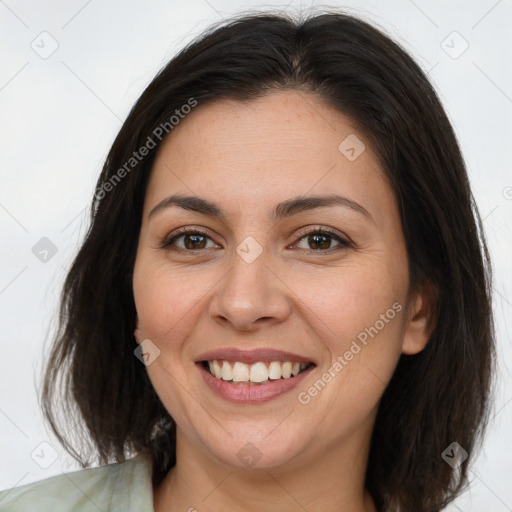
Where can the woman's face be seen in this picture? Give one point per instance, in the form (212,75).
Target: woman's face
(275,276)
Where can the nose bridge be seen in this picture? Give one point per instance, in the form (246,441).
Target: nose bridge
(250,290)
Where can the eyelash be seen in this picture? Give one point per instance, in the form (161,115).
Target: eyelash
(343,243)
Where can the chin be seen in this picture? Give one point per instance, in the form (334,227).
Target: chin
(254,449)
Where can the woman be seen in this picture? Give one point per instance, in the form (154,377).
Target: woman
(283,300)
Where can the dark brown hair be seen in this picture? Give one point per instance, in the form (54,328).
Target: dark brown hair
(436,397)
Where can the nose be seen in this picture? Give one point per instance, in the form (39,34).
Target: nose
(250,296)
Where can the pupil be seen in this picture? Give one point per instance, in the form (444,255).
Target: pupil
(313,240)
(318,241)
(194,239)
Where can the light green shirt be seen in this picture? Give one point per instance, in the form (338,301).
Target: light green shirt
(123,487)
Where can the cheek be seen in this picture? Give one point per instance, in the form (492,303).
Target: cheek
(361,314)
(347,300)
(166,302)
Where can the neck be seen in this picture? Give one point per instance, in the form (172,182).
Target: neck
(333,480)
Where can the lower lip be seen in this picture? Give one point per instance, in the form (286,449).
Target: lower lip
(251,394)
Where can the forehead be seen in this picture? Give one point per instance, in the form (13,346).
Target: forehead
(286,143)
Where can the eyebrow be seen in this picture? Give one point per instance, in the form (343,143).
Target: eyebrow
(282,210)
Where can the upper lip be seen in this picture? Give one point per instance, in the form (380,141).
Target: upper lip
(252,356)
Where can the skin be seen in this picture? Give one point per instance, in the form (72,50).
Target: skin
(247,157)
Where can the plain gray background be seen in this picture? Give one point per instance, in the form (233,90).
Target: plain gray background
(70,72)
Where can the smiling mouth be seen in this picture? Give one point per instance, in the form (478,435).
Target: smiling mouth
(262,372)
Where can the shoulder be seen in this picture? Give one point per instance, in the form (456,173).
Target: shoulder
(116,487)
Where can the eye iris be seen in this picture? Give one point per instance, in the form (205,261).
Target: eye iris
(194,239)
(314,240)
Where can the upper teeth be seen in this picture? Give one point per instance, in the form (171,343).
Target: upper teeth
(257,372)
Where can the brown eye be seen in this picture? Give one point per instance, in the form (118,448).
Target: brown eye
(321,240)
(192,240)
